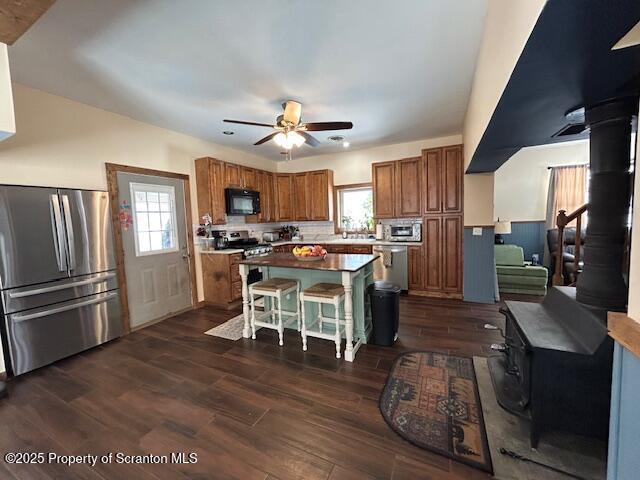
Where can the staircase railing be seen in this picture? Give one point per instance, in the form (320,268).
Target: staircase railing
(562,220)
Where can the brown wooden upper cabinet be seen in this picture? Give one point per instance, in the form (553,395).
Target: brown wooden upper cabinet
(210,189)
(442,179)
(301,196)
(284,196)
(384,189)
(265,187)
(431,168)
(409,187)
(248,177)
(321,188)
(232,176)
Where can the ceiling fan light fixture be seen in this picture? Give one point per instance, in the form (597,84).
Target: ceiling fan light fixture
(288,140)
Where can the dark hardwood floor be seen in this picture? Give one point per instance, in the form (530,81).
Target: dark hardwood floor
(249,409)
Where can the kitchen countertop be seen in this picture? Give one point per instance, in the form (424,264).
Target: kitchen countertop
(338,262)
(344,241)
(227,251)
(333,241)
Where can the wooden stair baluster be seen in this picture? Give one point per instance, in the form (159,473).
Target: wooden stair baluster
(558,276)
(562,220)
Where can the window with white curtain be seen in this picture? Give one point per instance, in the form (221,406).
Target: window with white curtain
(154,218)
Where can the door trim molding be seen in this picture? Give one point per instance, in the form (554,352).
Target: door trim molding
(112,187)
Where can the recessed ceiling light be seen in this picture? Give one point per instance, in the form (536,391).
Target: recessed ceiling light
(228,132)
(345,144)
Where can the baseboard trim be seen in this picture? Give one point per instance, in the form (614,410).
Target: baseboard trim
(426,293)
(158,320)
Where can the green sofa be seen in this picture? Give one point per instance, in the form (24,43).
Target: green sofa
(514,276)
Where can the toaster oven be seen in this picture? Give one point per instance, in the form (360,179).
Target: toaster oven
(403,232)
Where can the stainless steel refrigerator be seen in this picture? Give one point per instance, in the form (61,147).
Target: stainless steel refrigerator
(58,280)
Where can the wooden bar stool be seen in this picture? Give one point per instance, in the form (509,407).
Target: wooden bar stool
(323,293)
(275,288)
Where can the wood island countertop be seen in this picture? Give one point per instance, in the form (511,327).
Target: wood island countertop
(337,262)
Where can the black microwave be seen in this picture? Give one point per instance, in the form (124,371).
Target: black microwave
(242,202)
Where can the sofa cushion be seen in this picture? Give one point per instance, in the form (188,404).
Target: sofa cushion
(521,281)
(524,290)
(509,255)
(528,271)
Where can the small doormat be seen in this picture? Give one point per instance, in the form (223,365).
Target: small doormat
(431,400)
(231,329)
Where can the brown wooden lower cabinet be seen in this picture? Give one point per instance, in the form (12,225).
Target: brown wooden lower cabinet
(440,258)
(362,249)
(221,278)
(415,268)
(432,244)
(452,233)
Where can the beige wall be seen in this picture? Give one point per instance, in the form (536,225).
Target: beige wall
(64,143)
(508,25)
(478,199)
(522,183)
(634,276)
(354,166)
(7,121)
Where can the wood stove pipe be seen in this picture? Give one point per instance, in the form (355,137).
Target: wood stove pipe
(602,283)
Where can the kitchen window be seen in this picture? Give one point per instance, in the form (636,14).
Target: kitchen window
(354,208)
(154,219)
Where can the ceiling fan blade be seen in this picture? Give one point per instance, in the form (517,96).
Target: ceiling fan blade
(292,111)
(309,140)
(266,139)
(242,122)
(320,126)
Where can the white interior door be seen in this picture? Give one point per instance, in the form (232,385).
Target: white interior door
(155,245)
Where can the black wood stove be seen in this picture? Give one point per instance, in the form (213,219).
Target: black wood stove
(556,367)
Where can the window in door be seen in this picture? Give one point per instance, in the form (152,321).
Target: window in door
(355,208)
(154,219)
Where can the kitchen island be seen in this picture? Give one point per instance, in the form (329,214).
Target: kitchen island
(354,272)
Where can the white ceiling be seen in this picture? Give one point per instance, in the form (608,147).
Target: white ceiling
(400,70)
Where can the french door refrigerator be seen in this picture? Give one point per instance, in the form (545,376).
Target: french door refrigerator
(58,280)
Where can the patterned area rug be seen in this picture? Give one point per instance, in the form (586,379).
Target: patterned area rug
(231,329)
(431,400)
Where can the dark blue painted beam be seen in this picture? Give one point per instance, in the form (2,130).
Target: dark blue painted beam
(566,62)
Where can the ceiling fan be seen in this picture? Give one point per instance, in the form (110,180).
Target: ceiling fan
(290,132)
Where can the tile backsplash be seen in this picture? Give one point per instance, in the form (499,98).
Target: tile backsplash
(310,231)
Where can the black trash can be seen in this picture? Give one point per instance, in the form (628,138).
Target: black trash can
(385,311)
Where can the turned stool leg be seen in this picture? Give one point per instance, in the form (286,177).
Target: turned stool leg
(298,305)
(280,326)
(253,315)
(303,326)
(336,304)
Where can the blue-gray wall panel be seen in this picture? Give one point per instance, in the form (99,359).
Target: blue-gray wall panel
(479,266)
(528,235)
(623,462)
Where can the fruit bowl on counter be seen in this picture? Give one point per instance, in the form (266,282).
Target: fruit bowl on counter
(309,254)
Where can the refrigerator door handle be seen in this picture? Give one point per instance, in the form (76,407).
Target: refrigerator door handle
(69,227)
(58,235)
(52,311)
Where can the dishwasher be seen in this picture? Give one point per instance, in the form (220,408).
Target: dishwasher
(391,265)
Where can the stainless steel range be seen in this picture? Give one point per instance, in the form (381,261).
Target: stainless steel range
(240,239)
